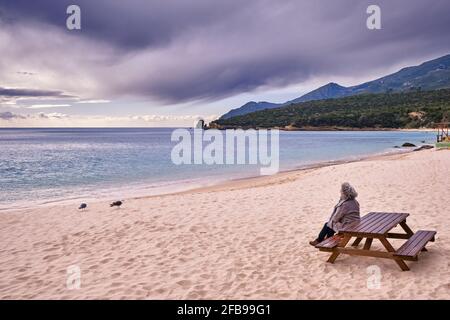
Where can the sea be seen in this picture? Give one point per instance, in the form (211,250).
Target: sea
(41,166)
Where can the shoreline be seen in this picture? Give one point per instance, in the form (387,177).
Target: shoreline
(356,129)
(261,181)
(299,129)
(326,129)
(203,186)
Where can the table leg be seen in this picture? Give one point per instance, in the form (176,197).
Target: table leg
(389,248)
(356,242)
(368,243)
(407,229)
(343,243)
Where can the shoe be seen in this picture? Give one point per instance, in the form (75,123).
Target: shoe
(314,243)
(338,237)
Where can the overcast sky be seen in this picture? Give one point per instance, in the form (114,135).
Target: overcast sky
(159,63)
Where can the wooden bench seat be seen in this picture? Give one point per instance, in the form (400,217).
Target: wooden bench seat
(411,248)
(377,226)
(329,244)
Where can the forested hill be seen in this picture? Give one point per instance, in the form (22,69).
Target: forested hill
(415,109)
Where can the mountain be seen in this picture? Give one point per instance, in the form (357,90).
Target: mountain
(249,107)
(328,91)
(430,75)
(408,109)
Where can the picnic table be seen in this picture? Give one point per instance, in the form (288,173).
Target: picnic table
(377,225)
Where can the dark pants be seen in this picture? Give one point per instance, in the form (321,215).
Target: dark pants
(325,233)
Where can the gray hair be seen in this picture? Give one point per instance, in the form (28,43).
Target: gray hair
(348,191)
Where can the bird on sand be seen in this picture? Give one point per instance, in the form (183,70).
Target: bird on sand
(116,204)
(82,206)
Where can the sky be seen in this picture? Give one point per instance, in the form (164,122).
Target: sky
(168,63)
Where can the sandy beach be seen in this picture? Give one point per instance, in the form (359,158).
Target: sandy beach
(246,239)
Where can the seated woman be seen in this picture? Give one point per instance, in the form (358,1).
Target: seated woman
(345,212)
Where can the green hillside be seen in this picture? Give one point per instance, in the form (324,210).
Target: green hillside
(413,109)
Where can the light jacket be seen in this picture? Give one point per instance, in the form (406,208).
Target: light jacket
(344,213)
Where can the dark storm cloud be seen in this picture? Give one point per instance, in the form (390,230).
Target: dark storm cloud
(31,93)
(185,50)
(131,23)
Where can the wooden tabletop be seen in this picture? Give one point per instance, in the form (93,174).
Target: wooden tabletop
(375,224)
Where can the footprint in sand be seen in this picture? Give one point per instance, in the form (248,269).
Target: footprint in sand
(160,290)
(51,257)
(185,284)
(196,294)
(116,284)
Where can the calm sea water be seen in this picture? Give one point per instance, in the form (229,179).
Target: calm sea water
(46,165)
